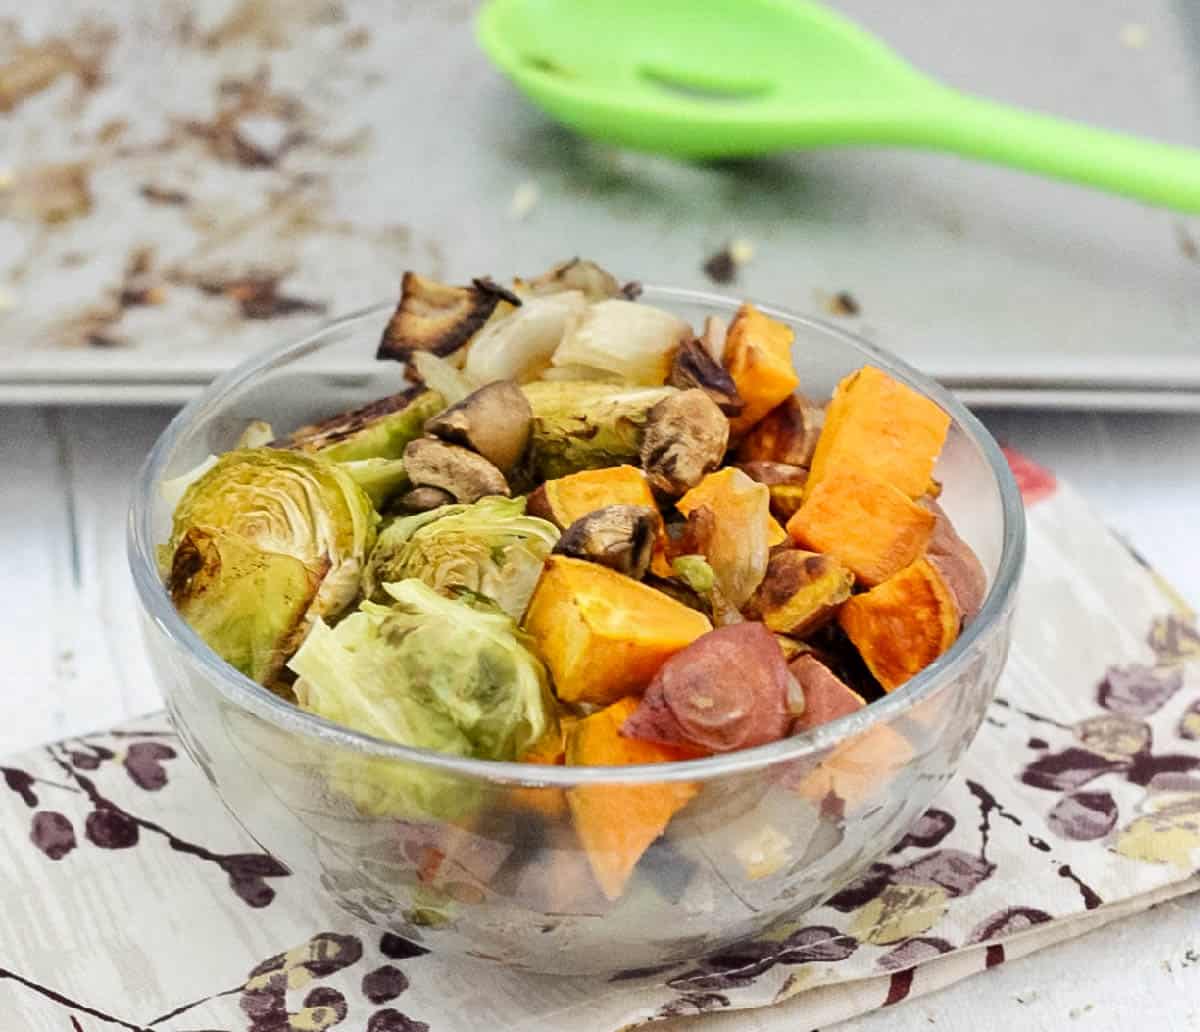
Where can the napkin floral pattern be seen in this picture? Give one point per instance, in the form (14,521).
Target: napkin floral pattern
(1078,803)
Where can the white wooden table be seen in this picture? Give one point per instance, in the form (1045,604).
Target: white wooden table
(71,660)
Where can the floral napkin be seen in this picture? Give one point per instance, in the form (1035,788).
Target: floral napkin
(131,900)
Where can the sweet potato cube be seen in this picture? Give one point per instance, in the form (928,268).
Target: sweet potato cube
(551,803)
(758,355)
(566,499)
(617,823)
(871,527)
(826,696)
(604,635)
(878,426)
(800,592)
(904,624)
(788,433)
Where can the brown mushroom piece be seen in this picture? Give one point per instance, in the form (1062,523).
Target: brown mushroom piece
(695,367)
(422,499)
(686,436)
(785,482)
(620,537)
(437,317)
(596,282)
(493,421)
(457,471)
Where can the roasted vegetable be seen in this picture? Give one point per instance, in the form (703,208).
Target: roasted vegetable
(380,430)
(620,537)
(727,690)
(758,355)
(579,426)
(566,499)
(871,527)
(685,438)
(740,533)
(713,336)
(786,484)
(858,771)
(788,434)
(492,421)
(904,624)
(520,345)
(826,696)
(633,341)
(701,583)
(959,566)
(490,548)
(458,471)
(382,479)
(575,274)
(878,426)
(694,367)
(425,671)
(800,592)
(617,823)
(237,520)
(441,375)
(422,499)
(435,317)
(601,634)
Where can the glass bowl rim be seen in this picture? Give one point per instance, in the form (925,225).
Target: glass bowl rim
(254,698)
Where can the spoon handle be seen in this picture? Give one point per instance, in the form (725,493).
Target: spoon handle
(1159,173)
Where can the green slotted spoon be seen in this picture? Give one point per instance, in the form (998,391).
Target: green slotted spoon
(717,78)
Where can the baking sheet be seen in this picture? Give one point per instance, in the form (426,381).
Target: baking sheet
(203,179)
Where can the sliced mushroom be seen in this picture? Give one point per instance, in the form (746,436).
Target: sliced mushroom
(574,274)
(422,499)
(458,471)
(437,317)
(686,437)
(620,537)
(695,367)
(493,421)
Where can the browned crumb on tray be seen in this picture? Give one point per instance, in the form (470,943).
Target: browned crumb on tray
(721,268)
(844,304)
(259,296)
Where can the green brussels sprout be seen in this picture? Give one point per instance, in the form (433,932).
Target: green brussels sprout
(380,430)
(490,549)
(263,542)
(430,672)
(587,425)
(382,479)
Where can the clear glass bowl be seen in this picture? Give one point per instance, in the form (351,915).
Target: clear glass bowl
(772,831)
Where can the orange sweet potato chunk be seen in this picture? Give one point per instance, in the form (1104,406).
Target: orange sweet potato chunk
(881,427)
(566,499)
(603,635)
(617,823)
(874,529)
(551,803)
(904,624)
(758,355)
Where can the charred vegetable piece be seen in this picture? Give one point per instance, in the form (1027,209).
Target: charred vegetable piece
(604,635)
(579,426)
(959,566)
(493,422)
(694,367)
(740,532)
(635,342)
(435,317)
(904,624)
(458,471)
(786,484)
(250,606)
(870,526)
(758,355)
(620,537)
(686,437)
(594,282)
(800,592)
(826,696)
(380,430)
(727,690)
(491,549)
(883,428)
(788,433)
(566,499)
(246,510)
(617,823)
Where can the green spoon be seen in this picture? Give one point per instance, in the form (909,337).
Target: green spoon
(714,78)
